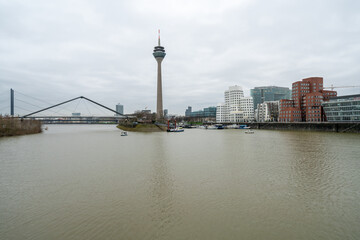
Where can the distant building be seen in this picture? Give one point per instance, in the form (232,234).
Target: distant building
(166,112)
(305,106)
(236,108)
(188,111)
(209,112)
(267,111)
(147,111)
(120,108)
(76,114)
(269,93)
(343,108)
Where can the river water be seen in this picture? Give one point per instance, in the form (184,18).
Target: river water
(88,182)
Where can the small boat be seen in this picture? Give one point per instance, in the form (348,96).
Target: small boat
(219,126)
(249,131)
(211,127)
(46,128)
(175,130)
(124,133)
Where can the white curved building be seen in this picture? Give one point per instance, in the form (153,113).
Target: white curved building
(236,108)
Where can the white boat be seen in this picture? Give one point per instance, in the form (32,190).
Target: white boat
(123,133)
(211,127)
(175,129)
(249,131)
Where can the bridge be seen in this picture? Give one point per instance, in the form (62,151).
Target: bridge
(78,119)
(75,118)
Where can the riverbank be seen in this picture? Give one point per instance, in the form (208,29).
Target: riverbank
(14,126)
(305,126)
(141,127)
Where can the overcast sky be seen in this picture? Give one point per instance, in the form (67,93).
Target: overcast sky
(57,50)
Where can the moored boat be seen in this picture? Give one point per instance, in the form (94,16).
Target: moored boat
(175,130)
(249,131)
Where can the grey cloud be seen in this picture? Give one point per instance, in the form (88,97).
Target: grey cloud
(60,49)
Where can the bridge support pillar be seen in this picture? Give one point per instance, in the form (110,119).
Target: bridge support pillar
(11,102)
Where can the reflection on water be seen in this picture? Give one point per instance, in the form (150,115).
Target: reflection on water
(87,182)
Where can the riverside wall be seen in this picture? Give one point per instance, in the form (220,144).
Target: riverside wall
(305,126)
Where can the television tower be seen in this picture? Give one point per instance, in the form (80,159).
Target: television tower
(159,54)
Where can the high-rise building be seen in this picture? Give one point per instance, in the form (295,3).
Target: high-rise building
(166,112)
(236,108)
(269,93)
(159,54)
(120,108)
(188,111)
(305,106)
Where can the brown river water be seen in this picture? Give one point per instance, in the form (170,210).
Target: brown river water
(88,182)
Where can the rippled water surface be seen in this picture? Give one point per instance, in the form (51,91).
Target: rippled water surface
(88,182)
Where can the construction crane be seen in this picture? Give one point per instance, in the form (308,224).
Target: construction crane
(332,87)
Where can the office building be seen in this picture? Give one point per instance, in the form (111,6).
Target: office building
(305,106)
(120,109)
(209,112)
(188,111)
(343,109)
(269,93)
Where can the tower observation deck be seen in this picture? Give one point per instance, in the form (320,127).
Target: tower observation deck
(159,54)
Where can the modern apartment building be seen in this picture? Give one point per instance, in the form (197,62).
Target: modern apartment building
(267,111)
(236,108)
(305,106)
(343,109)
(269,93)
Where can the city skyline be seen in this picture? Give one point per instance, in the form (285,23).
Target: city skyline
(58,50)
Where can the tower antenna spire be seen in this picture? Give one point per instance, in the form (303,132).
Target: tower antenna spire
(159,37)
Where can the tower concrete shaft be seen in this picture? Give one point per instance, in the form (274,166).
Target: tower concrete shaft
(159,103)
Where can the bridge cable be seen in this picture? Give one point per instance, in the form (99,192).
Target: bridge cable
(42,101)
(38,99)
(17,99)
(87,108)
(77,105)
(51,107)
(98,108)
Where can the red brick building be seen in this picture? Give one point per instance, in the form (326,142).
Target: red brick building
(305,105)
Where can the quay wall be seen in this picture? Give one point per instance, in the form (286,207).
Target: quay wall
(353,127)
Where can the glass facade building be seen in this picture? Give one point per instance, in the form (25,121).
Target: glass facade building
(269,93)
(343,109)
(206,112)
(120,108)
